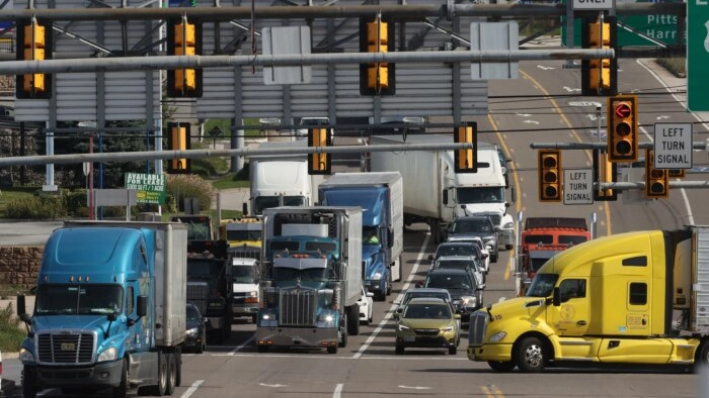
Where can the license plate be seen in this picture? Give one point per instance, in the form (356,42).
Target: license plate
(409,338)
(68,346)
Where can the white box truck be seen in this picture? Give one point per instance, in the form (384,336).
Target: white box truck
(436,195)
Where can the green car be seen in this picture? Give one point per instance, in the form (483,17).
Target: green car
(427,322)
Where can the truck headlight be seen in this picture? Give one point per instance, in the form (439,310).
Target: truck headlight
(26,355)
(326,321)
(193,332)
(253,293)
(469,301)
(108,355)
(377,276)
(508,225)
(495,338)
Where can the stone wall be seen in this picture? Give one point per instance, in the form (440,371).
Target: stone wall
(19,266)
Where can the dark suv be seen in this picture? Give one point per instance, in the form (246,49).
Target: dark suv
(465,292)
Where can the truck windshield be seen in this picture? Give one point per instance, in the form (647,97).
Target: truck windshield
(199,269)
(283,274)
(267,202)
(481,195)
(243,235)
(542,285)
(571,239)
(242,274)
(79,299)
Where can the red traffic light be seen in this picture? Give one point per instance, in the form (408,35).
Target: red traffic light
(622,110)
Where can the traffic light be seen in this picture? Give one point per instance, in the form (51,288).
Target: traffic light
(34,43)
(549,175)
(184,38)
(319,162)
(466,160)
(179,140)
(377,36)
(623,128)
(599,76)
(657,184)
(675,173)
(604,171)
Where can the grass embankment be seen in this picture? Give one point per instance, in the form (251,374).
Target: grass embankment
(11,334)
(676,66)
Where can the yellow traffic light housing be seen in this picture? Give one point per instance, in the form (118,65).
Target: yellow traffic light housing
(549,175)
(34,39)
(599,76)
(466,160)
(179,140)
(319,162)
(184,38)
(377,36)
(657,183)
(676,173)
(623,128)
(604,171)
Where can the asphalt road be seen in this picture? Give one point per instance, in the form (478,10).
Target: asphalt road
(368,366)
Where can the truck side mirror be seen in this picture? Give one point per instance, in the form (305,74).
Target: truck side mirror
(21,305)
(142,306)
(445,197)
(556,298)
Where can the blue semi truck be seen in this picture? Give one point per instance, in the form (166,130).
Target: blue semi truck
(312,277)
(381,197)
(110,311)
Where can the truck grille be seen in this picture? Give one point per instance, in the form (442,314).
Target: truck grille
(477,328)
(197,291)
(246,252)
(65,348)
(298,308)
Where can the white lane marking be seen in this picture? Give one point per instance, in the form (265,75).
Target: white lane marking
(531,122)
(192,389)
(662,117)
(377,357)
(241,347)
(273,385)
(571,90)
(685,198)
(542,67)
(669,90)
(523,114)
(338,391)
(386,317)
(415,387)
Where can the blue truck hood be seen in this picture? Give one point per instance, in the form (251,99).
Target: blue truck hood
(369,250)
(372,200)
(88,323)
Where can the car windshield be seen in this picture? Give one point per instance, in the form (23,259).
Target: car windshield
(79,299)
(459,281)
(457,264)
(267,202)
(472,225)
(321,247)
(481,195)
(412,295)
(542,285)
(455,250)
(242,274)
(427,311)
(193,314)
(243,235)
(284,274)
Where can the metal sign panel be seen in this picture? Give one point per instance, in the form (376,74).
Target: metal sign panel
(282,40)
(593,4)
(490,36)
(578,186)
(673,146)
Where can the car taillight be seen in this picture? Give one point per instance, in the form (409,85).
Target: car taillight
(251,300)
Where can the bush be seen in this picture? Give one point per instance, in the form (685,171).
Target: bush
(49,207)
(11,335)
(181,186)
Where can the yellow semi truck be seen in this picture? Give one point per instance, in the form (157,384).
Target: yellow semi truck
(633,298)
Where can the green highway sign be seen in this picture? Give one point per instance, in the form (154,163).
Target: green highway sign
(150,187)
(697,55)
(659,27)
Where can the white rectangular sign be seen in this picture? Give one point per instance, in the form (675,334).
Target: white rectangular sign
(593,4)
(578,186)
(493,36)
(673,146)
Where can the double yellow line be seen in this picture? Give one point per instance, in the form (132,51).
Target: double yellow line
(491,391)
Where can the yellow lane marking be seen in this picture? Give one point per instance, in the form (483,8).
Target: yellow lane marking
(575,135)
(518,201)
(492,391)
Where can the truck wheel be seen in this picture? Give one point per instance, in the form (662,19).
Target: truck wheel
(353,320)
(493,258)
(530,355)
(29,383)
(171,374)
(388,287)
(122,390)
(501,366)
(161,388)
(399,349)
(178,362)
(254,318)
(343,336)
